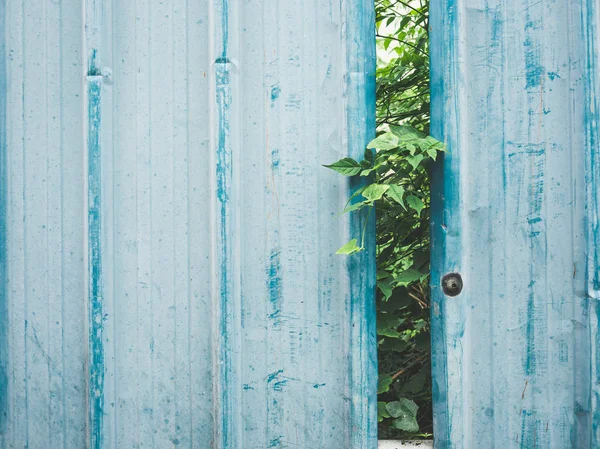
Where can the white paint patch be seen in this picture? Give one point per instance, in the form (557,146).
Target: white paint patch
(391,444)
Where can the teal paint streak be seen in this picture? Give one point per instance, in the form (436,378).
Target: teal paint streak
(445,199)
(533,66)
(553,76)
(223,82)
(3,236)
(224,184)
(530,356)
(95,288)
(528,430)
(274,280)
(225,28)
(94,64)
(534,69)
(535,225)
(592,277)
(360,123)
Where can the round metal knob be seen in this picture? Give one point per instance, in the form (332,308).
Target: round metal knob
(452,284)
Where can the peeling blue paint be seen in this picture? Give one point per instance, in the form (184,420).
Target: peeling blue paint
(275,92)
(534,68)
(274,375)
(275,442)
(275,159)
(94,68)
(278,386)
(274,279)
(520,340)
(224,27)
(196,214)
(96,287)
(592,272)
(225,252)
(530,357)
(445,201)
(360,123)
(553,75)
(223,83)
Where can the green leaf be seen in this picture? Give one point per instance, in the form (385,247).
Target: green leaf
(355,206)
(396,193)
(416,382)
(369,157)
(408,276)
(346,166)
(386,288)
(386,141)
(407,424)
(382,275)
(383,386)
(405,412)
(429,142)
(350,248)
(401,407)
(387,325)
(374,192)
(407,132)
(355,194)
(415,160)
(382,412)
(432,153)
(415,203)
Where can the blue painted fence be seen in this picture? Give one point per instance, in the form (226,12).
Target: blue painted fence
(516,213)
(167,232)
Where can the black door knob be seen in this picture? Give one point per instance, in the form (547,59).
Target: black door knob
(452,284)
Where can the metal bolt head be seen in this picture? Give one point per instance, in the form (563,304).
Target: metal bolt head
(452,284)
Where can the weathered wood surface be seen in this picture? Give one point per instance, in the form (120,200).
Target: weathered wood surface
(514,95)
(167,232)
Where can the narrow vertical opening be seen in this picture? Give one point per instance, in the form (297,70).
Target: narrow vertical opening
(395,192)
(404,156)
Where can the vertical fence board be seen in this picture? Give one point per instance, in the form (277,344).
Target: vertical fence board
(43,214)
(167,230)
(514,211)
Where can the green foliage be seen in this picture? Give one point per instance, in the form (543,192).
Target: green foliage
(403,66)
(403,219)
(399,189)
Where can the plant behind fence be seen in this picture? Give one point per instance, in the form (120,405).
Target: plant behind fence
(399,187)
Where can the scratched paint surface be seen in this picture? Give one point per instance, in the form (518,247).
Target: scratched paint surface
(516,213)
(167,231)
